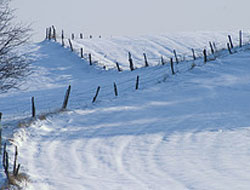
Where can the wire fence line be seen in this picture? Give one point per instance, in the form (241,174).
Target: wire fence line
(110,63)
(125,81)
(128,82)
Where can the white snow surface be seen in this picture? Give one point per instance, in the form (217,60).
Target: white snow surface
(185,131)
(108,51)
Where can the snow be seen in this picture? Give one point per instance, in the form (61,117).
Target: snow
(187,131)
(107,51)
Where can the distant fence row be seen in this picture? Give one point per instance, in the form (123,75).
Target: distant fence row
(92,58)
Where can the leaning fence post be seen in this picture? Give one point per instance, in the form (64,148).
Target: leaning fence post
(145,59)
(172,65)
(194,57)
(230,41)
(240,36)
(96,94)
(66,98)
(229,49)
(137,83)
(118,67)
(211,46)
(115,89)
(33,107)
(176,58)
(90,59)
(130,62)
(205,55)
(71,45)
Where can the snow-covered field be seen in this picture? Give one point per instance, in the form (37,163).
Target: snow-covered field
(187,131)
(108,51)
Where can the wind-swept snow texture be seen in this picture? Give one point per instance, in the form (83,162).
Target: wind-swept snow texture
(187,131)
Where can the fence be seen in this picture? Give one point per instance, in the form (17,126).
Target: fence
(94,58)
(132,81)
(122,84)
(126,83)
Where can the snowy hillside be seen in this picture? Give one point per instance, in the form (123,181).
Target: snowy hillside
(190,130)
(108,51)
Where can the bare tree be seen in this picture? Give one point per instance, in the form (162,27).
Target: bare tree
(13,63)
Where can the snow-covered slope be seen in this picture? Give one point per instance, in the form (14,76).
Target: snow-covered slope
(187,131)
(108,51)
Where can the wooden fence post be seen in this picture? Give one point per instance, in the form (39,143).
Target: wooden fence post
(240,36)
(63,38)
(229,49)
(81,36)
(162,60)
(15,160)
(4,156)
(137,83)
(66,98)
(194,57)
(97,92)
(6,162)
(81,52)
(90,59)
(205,55)
(172,65)
(115,89)
(54,32)
(130,62)
(49,33)
(33,107)
(62,34)
(211,46)
(46,34)
(72,36)
(230,41)
(215,48)
(118,67)
(71,45)
(6,169)
(17,170)
(176,58)
(145,59)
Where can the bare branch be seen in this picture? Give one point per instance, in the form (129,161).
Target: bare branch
(13,65)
